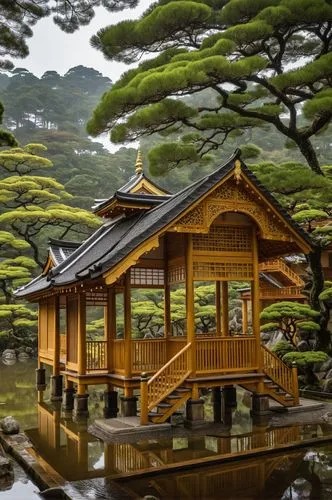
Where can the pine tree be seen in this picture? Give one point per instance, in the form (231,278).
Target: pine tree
(308,199)
(33,205)
(290,318)
(247,53)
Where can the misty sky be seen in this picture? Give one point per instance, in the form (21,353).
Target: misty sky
(52,49)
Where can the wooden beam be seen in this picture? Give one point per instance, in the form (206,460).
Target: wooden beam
(81,334)
(167,295)
(127,325)
(190,308)
(224,306)
(56,338)
(244,316)
(255,300)
(218,308)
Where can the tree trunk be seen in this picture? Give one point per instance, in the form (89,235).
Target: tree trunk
(317,286)
(310,155)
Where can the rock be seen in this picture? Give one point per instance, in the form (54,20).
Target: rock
(53,493)
(320,375)
(327,365)
(327,417)
(150,497)
(9,425)
(6,466)
(303,346)
(23,355)
(9,354)
(265,337)
(327,386)
(20,349)
(29,351)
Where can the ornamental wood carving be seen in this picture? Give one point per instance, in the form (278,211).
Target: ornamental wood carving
(234,196)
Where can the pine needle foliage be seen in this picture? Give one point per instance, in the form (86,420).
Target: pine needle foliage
(265,62)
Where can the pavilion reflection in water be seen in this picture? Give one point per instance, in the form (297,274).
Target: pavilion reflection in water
(75,454)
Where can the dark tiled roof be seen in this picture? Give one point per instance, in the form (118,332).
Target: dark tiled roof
(125,190)
(111,243)
(60,250)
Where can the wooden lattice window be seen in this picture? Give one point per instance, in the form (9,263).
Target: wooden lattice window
(222,270)
(141,276)
(94,298)
(176,274)
(224,239)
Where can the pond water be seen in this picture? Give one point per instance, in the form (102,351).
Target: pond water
(100,470)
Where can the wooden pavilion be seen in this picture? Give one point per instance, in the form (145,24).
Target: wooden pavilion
(223,227)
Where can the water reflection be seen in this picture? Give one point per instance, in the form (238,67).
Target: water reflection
(104,470)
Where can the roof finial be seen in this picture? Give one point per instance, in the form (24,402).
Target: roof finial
(139,162)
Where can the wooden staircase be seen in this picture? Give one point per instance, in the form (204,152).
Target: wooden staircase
(169,405)
(280,382)
(162,394)
(283,273)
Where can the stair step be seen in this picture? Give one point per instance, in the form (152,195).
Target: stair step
(164,405)
(182,390)
(173,396)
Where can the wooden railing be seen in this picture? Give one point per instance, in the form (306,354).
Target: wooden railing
(118,347)
(226,354)
(287,291)
(96,355)
(164,382)
(279,372)
(148,355)
(279,265)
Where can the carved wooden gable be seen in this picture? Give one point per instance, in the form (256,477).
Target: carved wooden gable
(236,194)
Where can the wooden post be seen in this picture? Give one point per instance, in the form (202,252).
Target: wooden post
(295,384)
(110,327)
(81,335)
(127,326)
(244,316)
(255,301)
(56,339)
(144,399)
(167,301)
(218,310)
(224,305)
(190,307)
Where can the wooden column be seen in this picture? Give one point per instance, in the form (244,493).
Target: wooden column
(81,334)
(190,308)
(110,327)
(127,325)
(255,301)
(218,310)
(244,316)
(167,296)
(56,338)
(224,305)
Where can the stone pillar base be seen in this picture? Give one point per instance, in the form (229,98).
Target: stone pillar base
(40,379)
(260,405)
(217,404)
(56,387)
(229,395)
(111,404)
(194,413)
(128,406)
(81,405)
(68,399)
